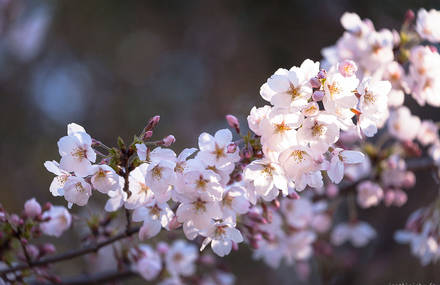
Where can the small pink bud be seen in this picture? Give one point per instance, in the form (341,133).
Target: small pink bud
(318,95)
(234,246)
(347,68)
(293,195)
(152,123)
(409,16)
(433,48)
(162,247)
(33,251)
(322,74)
(233,122)
(409,179)
(168,140)
(15,219)
(207,259)
(332,190)
(32,208)
(232,147)
(147,135)
(47,206)
(276,203)
(315,82)
(389,197)
(48,248)
(400,198)
(174,224)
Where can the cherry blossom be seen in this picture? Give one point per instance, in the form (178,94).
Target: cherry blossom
(76,151)
(59,221)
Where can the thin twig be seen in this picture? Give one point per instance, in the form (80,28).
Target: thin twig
(71,254)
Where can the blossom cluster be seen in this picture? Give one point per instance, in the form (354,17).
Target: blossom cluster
(279,187)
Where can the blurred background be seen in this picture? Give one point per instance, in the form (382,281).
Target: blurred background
(111,65)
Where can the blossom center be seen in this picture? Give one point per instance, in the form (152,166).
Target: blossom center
(298,155)
(199,205)
(282,127)
(79,153)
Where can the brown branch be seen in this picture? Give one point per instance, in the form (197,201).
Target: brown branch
(71,254)
(99,278)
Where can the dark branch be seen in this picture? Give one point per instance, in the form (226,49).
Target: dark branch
(71,254)
(100,278)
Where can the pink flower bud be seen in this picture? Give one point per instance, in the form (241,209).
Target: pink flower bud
(409,180)
(32,208)
(433,48)
(315,82)
(48,248)
(389,198)
(152,123)
(400,198)
(322,74)
(232,147)
(234,246)
(168,140)
(409,16)
(162,247)
(15,219)
(174,224)
(47,206)
(293,195)
(347,68)
(147,135)
(318,95)
(332,190)
(207,259)
(33,251)
(233,122)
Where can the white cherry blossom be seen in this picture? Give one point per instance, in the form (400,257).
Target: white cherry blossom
(76,151)
(60,220)
(221,235)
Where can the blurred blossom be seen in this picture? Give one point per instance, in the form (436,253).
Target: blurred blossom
(26,36)
(59,90)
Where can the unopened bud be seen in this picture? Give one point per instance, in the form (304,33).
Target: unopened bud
(47,206)
(433,48)
(293,195)
(33,251)
(276,203)
(322,74)
(318,95)
(207,259)
(332,190)
(15,219)
(233,122)
(32,208)
(400,198)
(147,135)
(315,82)
(409,16)
(232,147)
(162,247)
(152,123)
(48,248)
(389,197)
(174,224)
(409,179)
(168,140)
(234,246)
